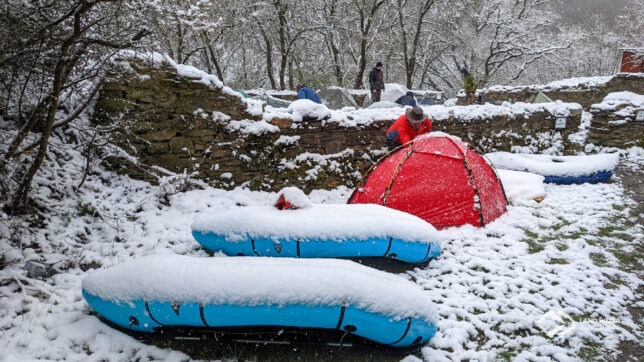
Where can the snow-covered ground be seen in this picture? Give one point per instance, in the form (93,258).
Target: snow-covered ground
(545,281)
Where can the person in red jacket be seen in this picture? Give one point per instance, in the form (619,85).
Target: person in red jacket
(413,123)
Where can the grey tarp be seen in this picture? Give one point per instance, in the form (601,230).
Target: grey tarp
(539,97)
(337,98)
(272,101)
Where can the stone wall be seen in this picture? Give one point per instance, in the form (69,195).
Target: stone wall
(582,94)
(609,129)
(181,125)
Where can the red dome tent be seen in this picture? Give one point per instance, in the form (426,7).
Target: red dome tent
(437,179)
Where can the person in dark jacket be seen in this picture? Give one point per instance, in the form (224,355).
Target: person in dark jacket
(413,123)
(376,82)
(304,92)
(407,100)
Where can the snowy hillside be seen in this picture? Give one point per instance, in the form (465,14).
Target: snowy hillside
(496,289)
(142,142)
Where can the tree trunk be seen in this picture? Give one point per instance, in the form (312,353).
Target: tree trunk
(20,202)
(284,46)
(215,62)
(363,63)
(282,73)
(365,28)
(269,57)
(290,75)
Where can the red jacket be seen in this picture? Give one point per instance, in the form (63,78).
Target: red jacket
(401,132)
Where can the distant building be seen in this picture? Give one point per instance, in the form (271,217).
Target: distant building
(632,60)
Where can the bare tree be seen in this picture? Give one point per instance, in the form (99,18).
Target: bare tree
(61,62)
(368,19)
(412,14)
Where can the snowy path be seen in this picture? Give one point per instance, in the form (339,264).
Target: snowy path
(492,286)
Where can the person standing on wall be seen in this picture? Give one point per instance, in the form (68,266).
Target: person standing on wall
(469,85)
(376,82)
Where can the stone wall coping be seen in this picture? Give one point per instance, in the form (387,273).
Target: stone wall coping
(464,114)
(564,85)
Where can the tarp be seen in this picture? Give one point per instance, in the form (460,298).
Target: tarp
(438,179)
(337,98)
(272,101)
(539,97)
(244,94)
(429,100)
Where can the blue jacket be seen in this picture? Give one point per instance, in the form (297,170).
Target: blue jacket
(308,93)
(407,100)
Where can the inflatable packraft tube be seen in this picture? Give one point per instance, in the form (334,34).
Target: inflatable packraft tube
(559,169)
(151,293)
(319,231)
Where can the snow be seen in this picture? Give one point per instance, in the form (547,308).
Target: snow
(286,140)
(392,92)
(564,84)
(581,135)
(520,186)
(294,196)
(359,92)
(554,165)
(617,99)
(272,92)
(383,104)
(250,281)
(307,108)
(315,222)
(385,111)
(250,127)
(253,107)
(489,288)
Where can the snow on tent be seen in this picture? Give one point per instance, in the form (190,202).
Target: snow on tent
(383,105)
(337,98)
(392,92)
(156,292)
(438,179)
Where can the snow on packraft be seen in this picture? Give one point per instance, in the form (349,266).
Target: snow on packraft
(294,227)
(172,290)
(520,185)
(560,169)
(438,179)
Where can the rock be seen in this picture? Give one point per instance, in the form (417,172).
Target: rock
(282,122)
(38,270)
(181,146)
(159,135)
(157,148)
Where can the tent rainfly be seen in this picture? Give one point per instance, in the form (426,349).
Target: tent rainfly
(539,97)
(337,98)
(438,179)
